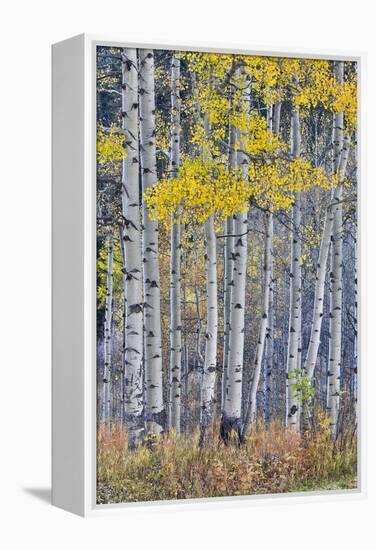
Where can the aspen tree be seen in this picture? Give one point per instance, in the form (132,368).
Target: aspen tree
(210,364)
(175,299)
(335,288)
(273,125)
(133,379)
(318,304)
(292,404)
(152,311)
(251,407)
(232,410)
(270,377)
(123,340)
(265,332)
(228,251)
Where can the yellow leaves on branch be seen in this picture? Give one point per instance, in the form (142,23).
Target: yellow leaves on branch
(217,65)
(346,100)
(102,266)
(255,138)
(317,85)
(308,82)
(205,188)
(162,132)
(109,145)
(199,190)
(273,186)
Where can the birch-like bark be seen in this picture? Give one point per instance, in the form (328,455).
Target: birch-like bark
(269,342)
(335,282)
(250,414)
(123,345)
(335,285)
(106,397)
(335,331)
(198,357)
(231,417)
(318,307)
(318,303)
(227,288)
(338,121)
(133,399)
(175,300)
(228,268)
(185,359)
(232,410)
(208,381)
(273,125)
(292,404)
(152,310)
(271,382)
(278,290)
(210,364)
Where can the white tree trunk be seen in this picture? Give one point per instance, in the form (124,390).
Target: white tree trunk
(185,356)
(250,415)
(152,310)
(335,282)
(335,287)
(123,345)
(133,400)
(175,299)
(318,307)
(338,121)
(198,357)
(318,303)
(269,337)
(228,275)
(231,418)
(228,267)
(292,405)
(208,381)
(270,376)
(232,411)
(273,125)
(335,331)
(210,364)
(106,397)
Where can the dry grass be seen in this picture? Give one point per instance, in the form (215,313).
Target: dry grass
(272,461)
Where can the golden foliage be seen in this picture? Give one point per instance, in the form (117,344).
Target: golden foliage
(221,96)
(273,186)
(102,266)
(110,147)
(307,82)
(205,188)
(200,189)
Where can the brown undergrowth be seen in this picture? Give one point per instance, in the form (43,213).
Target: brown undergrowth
(273,460)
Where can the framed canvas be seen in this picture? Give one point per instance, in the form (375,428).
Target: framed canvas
(206,212)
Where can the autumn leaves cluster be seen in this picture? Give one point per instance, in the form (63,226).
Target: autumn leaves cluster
(231,90)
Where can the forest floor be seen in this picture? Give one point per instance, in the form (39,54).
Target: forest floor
(273,460)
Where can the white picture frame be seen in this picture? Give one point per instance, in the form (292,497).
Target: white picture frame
(74,280)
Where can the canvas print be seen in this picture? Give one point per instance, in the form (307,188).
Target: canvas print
(226,274)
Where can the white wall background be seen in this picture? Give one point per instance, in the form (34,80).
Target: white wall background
(27,30)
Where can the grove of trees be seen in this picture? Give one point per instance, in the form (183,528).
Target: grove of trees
(226,251)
